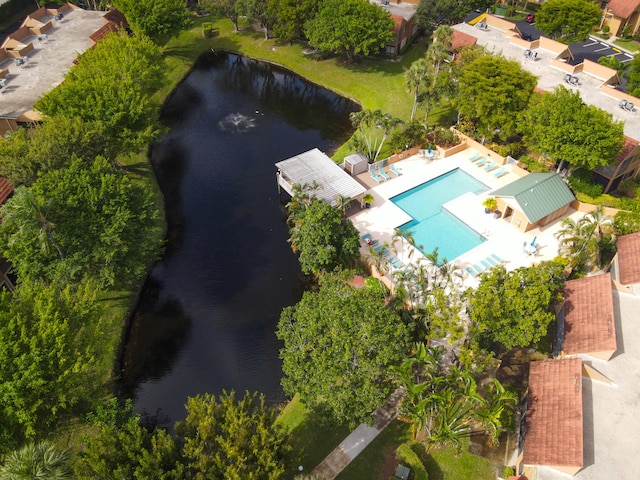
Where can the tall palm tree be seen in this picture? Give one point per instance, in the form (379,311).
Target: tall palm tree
(363,121)
(386,122)
(417,77)
(368,123)
(37,461)
(439,49)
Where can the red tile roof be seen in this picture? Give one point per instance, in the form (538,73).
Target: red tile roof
(399,20)
(629,258)
(623,8)
(6,189)
(588,315)
(461,39)
(117,17)
(627,148)
(114,21)
(553,435)
(104,31)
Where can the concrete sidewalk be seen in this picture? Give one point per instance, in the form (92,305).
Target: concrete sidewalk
(358,440)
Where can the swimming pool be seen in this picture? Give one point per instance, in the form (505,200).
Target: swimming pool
(432,226)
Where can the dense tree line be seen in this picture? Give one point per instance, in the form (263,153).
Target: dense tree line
(77,225)
(223,437)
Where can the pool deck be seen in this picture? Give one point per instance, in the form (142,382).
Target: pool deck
(502,239)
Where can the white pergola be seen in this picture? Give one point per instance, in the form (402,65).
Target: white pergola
(315,166)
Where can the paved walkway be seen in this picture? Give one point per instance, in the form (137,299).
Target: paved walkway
(358,440)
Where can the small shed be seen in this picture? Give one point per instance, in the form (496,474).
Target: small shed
(355,164)
(625,268)
(314,166)
(589,323)
(534,200)
(553,435)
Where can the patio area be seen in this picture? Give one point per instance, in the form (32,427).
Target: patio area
(500,238)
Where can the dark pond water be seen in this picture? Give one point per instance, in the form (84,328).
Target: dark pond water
(208,312)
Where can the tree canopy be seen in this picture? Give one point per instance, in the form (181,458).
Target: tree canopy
(233,438)
(515,308)
(339,342)
(350,27)
(29,153)
(446,405)
(568,20)
(114,84)
(78,222)
(123,449)
(565,128)
(290,17)
(48,356)
(492,93)
(156,19)
(232,9)
(633,77)
(324,238)
(432,13)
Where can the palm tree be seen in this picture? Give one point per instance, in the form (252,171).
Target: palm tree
(377,258)
(416,77)
(24,212)
(341,202)
(303,195)
(445,404)
(362,121)
(582,241)
(386,122)
(37,461)
(496,400)
(367,123)
(439,49)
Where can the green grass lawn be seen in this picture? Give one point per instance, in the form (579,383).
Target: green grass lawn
(630,45)
(371,83)
(311,440)
(445,464)
(369,464)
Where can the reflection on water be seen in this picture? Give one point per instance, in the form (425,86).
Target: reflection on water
(207,316)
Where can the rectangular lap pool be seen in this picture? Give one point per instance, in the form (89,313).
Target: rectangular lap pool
(432,226)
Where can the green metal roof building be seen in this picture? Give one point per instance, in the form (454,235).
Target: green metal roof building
(534,200)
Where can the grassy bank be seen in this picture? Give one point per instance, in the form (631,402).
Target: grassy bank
(371,83)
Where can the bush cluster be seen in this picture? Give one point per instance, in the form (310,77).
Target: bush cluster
(582,181)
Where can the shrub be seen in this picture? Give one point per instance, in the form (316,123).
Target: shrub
(606,29)
(508,472)
(626,222)
(582,181)
(412,134)
(532,165)
(443,137)
(630,187)
(604,200)
(513,149)
(405,454)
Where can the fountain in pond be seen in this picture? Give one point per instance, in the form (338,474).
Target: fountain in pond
(207,315)
(236,123)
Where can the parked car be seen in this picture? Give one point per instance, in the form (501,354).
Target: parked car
(531,18)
